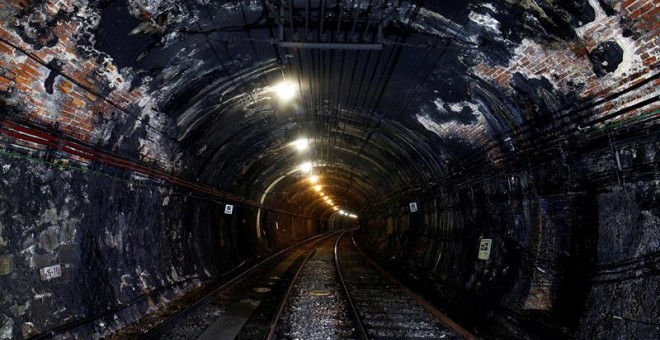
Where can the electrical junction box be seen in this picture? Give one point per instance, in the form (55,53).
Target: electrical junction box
(413,207)
(229,209)
(484,248)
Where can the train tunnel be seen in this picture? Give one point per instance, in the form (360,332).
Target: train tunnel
(502,158)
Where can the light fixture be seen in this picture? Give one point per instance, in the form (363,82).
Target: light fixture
(335,208)
(314,179)
(317,188)
(301,144)
(285,91)
(306,167)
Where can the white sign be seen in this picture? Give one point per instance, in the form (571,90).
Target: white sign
(413,207)
(229,209)
(50,272)
(484,248)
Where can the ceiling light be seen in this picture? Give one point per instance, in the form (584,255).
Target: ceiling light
(317,187)
(301,144)
(314,179)
(285,91)
(306,167)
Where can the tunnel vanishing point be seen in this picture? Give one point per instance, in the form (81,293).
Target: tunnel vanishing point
(502,157)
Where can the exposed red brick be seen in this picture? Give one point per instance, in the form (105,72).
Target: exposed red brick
(78,103)
(65,86)
(90,96)
(5,49)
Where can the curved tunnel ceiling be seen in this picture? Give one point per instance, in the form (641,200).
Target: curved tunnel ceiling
(378,120)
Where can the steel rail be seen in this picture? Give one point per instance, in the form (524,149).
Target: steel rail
(356,316)
(168,324)
(285,298)
(451,324)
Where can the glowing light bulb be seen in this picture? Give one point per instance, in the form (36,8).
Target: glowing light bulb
(306,167)
(314,179)
(301,144)
(285,91)
(317,188)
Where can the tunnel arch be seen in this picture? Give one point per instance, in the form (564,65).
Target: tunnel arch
(127,128)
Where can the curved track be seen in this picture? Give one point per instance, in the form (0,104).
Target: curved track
(325,288)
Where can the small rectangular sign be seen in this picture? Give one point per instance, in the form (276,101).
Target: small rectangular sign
(413,207)
(484,249)
(50,272)
(229,209)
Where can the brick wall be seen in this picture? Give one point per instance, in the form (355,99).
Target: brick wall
(567,66)
(60,84)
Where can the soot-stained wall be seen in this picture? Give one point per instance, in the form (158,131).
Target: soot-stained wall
(126,244)
(127,125)
(116,239)
(568,190)
(560,252)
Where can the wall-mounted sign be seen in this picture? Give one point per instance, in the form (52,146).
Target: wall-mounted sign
(484,248)
(50,272)
(229,209)
(413,206)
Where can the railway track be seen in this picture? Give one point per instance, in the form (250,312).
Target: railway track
(324,289)
(341,294)
(232,301)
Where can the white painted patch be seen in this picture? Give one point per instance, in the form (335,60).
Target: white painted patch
(490,7)
(436,24)
(486,21)
(631,62)
(453,128)
(600,13)
(439,104)
(42,296)
(458,107)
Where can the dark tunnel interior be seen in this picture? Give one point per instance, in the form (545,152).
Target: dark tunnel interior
(129,127)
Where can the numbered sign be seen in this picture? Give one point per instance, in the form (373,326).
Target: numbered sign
(413,207)
(50,272)
(229,209)
(484,248)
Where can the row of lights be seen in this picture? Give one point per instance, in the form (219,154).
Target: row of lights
(286,92)
(347,214)
(302,144)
